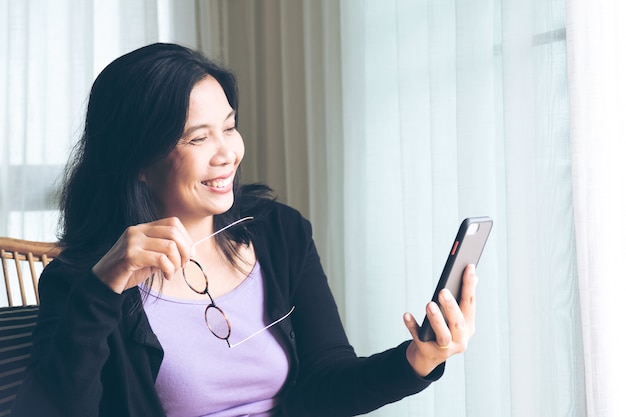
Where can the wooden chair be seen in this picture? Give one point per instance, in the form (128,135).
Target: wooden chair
(15,255)
(20,259)
(16,328)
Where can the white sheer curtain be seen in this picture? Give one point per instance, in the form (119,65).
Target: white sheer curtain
(51,51)
(419,114)
(597,64)
(453,109)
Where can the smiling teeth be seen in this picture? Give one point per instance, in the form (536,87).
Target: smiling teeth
(220,183)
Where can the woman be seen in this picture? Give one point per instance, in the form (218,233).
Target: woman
(180,292)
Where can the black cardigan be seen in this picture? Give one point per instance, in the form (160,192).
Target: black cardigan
(94,353)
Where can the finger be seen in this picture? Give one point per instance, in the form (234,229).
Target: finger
(135,250)
(411,324)
(151,246)
(467,302)
(456,321)
(183,239)
(438,323)
(164,263)
(160,253)
(125,265)
(171,238)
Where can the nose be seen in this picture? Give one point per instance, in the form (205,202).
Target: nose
(224,154)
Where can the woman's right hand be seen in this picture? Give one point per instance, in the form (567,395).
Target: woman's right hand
(163,245)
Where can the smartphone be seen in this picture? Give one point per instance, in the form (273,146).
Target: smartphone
(467,247)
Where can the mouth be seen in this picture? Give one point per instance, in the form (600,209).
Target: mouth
(219,183)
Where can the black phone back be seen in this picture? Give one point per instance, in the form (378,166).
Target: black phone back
(467,248)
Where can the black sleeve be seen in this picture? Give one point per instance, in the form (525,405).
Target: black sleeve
(332,380)
(77,314)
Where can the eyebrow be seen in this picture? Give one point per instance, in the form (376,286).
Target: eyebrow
(193,128)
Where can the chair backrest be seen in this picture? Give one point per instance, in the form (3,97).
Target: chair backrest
(22,259)
(16,328)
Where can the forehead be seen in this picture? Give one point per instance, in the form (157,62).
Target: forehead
(208,100)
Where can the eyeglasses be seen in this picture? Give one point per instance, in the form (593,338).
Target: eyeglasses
(215,318)
(223,228)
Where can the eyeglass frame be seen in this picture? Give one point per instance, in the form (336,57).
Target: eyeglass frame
(213,305)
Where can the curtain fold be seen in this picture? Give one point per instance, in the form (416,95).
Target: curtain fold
(420,114)
(52,52)
(454,109)
(42,64)
(287,58)
(264,43)
(596,64)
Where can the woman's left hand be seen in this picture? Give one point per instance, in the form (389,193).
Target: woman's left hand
(451,338)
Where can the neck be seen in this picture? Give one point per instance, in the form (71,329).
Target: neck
(198,229)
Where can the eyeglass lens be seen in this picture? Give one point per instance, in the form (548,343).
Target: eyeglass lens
(217,322)
(215,318)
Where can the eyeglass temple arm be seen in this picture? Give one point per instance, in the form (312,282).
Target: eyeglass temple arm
(263,329)
(222,229)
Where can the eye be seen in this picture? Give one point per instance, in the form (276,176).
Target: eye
(229,124)
(197,141)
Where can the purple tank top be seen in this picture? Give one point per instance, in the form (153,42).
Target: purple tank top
(200,375)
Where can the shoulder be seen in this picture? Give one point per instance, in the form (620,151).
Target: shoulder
(59,279)
(280,230)
(283,242)
(56,273)
(63,268)
(280,217)
(259,201)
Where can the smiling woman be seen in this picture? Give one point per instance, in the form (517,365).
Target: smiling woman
(155,172)
(385,122)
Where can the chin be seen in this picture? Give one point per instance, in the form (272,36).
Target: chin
(222,208)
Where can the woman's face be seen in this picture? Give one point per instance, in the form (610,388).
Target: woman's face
(196,179)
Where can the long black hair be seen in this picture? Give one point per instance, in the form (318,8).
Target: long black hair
(135,116)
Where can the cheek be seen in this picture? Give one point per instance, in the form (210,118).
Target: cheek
(240,148)
(243,151)
(237,147)
(163,175)
(155,177)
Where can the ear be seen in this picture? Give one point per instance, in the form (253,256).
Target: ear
(144,175)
